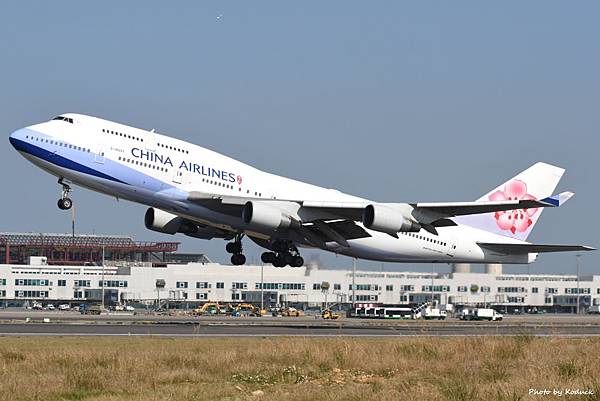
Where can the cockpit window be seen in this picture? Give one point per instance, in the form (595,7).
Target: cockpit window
(62,118)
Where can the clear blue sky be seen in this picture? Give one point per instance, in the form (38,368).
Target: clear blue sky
(394,101)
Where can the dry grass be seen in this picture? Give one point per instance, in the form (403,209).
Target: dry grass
(486,368)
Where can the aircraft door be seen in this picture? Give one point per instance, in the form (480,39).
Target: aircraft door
(99,155)
(150,141)
(451,249)
(180,176)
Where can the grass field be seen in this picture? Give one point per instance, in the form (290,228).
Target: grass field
(472,368)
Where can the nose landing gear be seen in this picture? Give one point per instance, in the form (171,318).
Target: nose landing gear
(285,253)
(65,203)
(235,248)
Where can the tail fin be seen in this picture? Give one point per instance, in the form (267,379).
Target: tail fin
(537,182)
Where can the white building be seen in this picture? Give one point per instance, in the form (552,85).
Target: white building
(195,283)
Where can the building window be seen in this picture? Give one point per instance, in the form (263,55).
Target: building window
(2,281)
(235,296)
(317,286)
(220,284)
(534,290)
(62,283)
(112,283)
(365,298)
(485,289)
(202,296)
(337,286)
(389,287)
(462,288)
(182,284)
(512,289)
(32,282)
(436,288)
(31,294)
(239,286)
(576,290)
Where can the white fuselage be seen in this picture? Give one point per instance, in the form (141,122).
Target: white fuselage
(160,171)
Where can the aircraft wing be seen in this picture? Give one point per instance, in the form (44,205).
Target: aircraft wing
(532,248)
(429,215)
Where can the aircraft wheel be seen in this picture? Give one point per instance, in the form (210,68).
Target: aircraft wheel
(267,257)
(233,247)
(297,261)
(67,203)
(238,259)
(279,261)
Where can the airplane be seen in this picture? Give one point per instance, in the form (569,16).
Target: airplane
(203,194)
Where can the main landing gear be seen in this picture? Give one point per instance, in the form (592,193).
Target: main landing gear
(64,203)
(285,253)
(235,248)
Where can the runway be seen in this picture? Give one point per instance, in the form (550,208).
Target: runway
(242,329)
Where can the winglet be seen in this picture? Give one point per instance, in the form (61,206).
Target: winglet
(558,200)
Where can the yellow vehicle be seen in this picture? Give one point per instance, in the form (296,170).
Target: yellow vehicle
(210,308)
(292,312)
(328,314)
(246,309)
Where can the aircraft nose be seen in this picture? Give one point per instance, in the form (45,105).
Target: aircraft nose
(17,138)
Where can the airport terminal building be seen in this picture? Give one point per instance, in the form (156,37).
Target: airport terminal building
(186,280)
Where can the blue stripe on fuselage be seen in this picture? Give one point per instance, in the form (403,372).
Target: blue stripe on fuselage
(58,160)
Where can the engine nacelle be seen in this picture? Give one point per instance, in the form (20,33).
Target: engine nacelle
(388,220)
(167,223)
(263,215)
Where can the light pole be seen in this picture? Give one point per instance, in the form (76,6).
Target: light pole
(577,258)
(432,285)
(353,283)
(262,286)
(102,276)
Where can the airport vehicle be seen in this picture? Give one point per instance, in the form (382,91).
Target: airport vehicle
(433,313)
(486,314)
(466,314)
(209,308)
(50,307)
(64,307)
(287,312)
(90,309)
(129,308)
(246,309)
(330,315)
(37,306)
(203,194)
(594,310)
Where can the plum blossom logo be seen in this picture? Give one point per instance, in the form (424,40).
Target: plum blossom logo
(239,180)
(514,220)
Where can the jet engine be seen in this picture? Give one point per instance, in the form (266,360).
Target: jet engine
(266,216)
(388,220)
(167,223)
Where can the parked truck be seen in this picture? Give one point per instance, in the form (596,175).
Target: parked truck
(433,313)
(487,314)
(594,310)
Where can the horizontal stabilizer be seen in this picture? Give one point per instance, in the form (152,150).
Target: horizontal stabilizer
(532,248)
(478,207)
